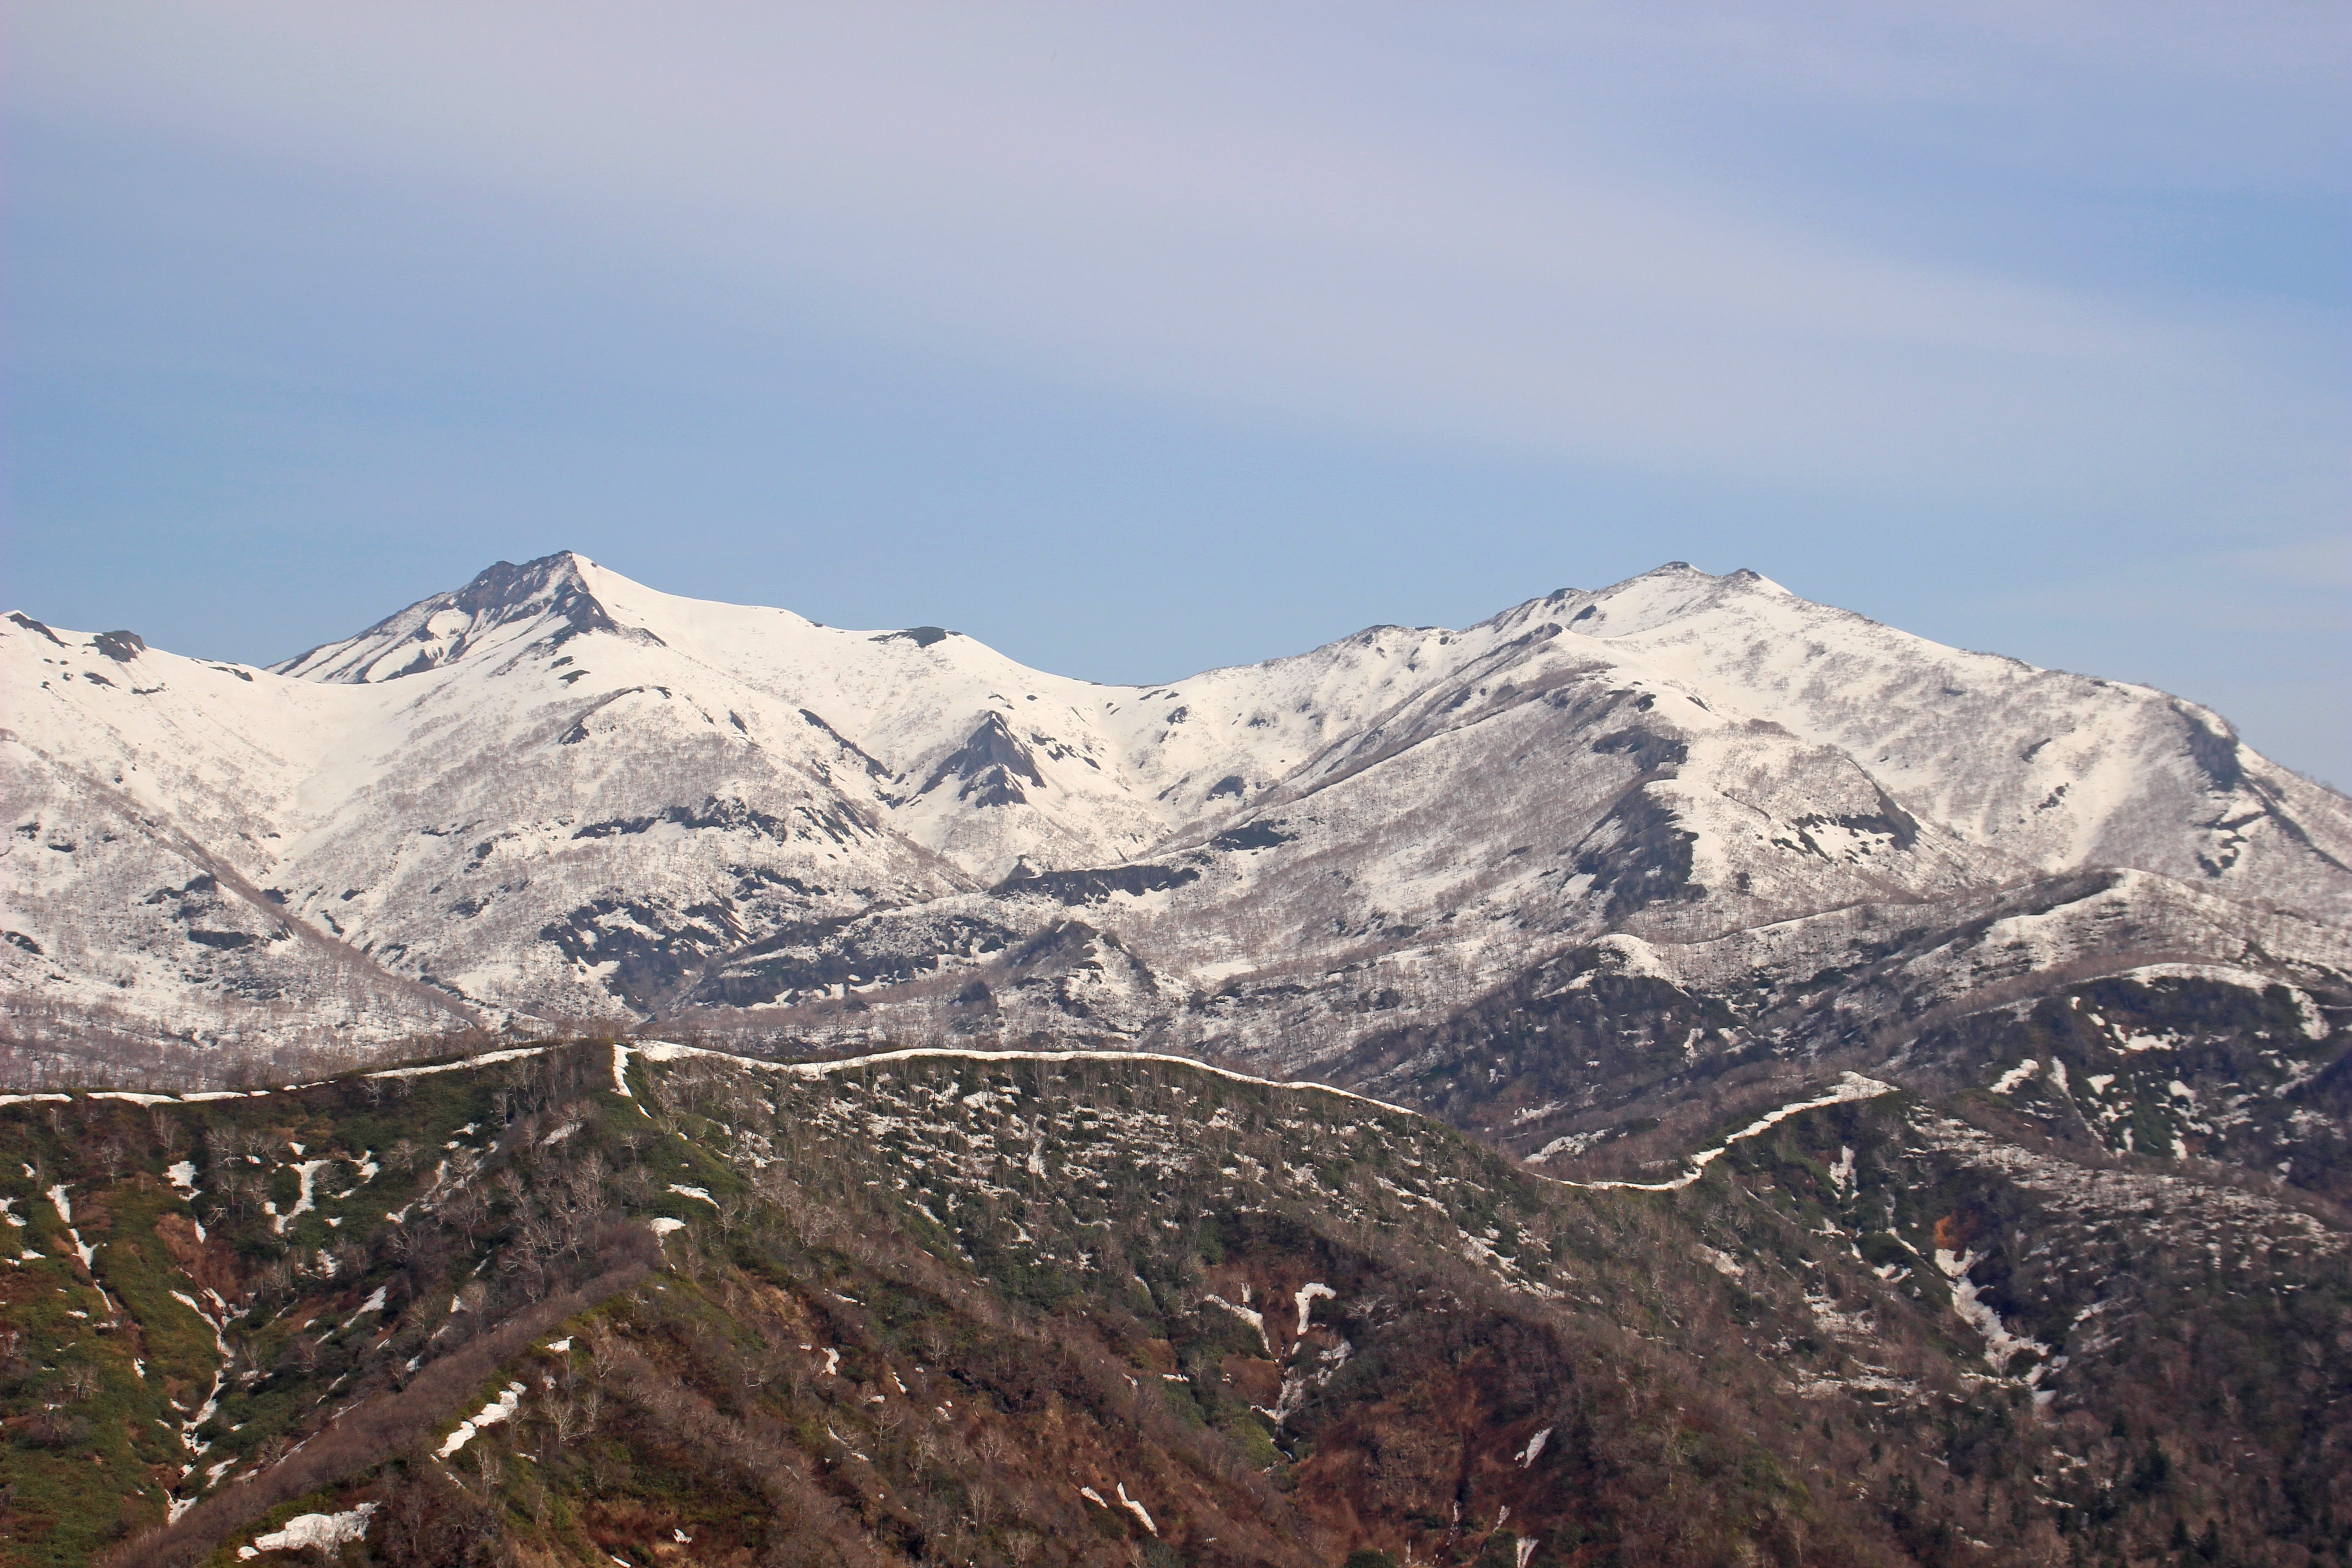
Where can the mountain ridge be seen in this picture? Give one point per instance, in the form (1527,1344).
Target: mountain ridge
(556,794)
(1669,1073)
(569,1302)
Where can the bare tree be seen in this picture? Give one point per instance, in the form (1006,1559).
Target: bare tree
(465,1213)
(575,1417)
(170,1136)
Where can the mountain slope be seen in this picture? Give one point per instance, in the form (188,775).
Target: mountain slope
(577,1303)
(558,795)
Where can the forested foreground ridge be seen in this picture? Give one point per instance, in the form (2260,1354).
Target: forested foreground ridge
(596,1301)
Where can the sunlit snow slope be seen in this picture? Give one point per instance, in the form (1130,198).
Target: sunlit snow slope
(556,793)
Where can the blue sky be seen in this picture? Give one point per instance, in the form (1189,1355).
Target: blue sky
(1136,339)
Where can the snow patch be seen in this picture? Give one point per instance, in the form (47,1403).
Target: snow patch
(500,1409)
(1254,1319)
(1850,1086)
(313,1531)
(2007,1082)
(1306,1296)
(2001,1344)
(486,1059)
(308,1170)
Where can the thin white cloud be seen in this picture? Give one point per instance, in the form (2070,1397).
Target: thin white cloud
(2275,591)
(2320,564)
(1293,215)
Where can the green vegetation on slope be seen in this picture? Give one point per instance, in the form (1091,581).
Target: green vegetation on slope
(918,1311)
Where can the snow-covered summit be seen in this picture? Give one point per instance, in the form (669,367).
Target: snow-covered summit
(551,599)
(555,791)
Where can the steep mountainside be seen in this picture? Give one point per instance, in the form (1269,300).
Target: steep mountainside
(558,796)
(638,1303)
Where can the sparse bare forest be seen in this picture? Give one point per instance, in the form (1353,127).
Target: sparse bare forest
(602,1300)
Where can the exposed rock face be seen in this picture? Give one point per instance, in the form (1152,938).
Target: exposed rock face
(988,768)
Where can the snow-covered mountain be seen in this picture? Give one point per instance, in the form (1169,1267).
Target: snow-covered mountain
(556,793)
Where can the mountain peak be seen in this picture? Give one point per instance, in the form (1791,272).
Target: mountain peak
(552,596)
(503,584)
